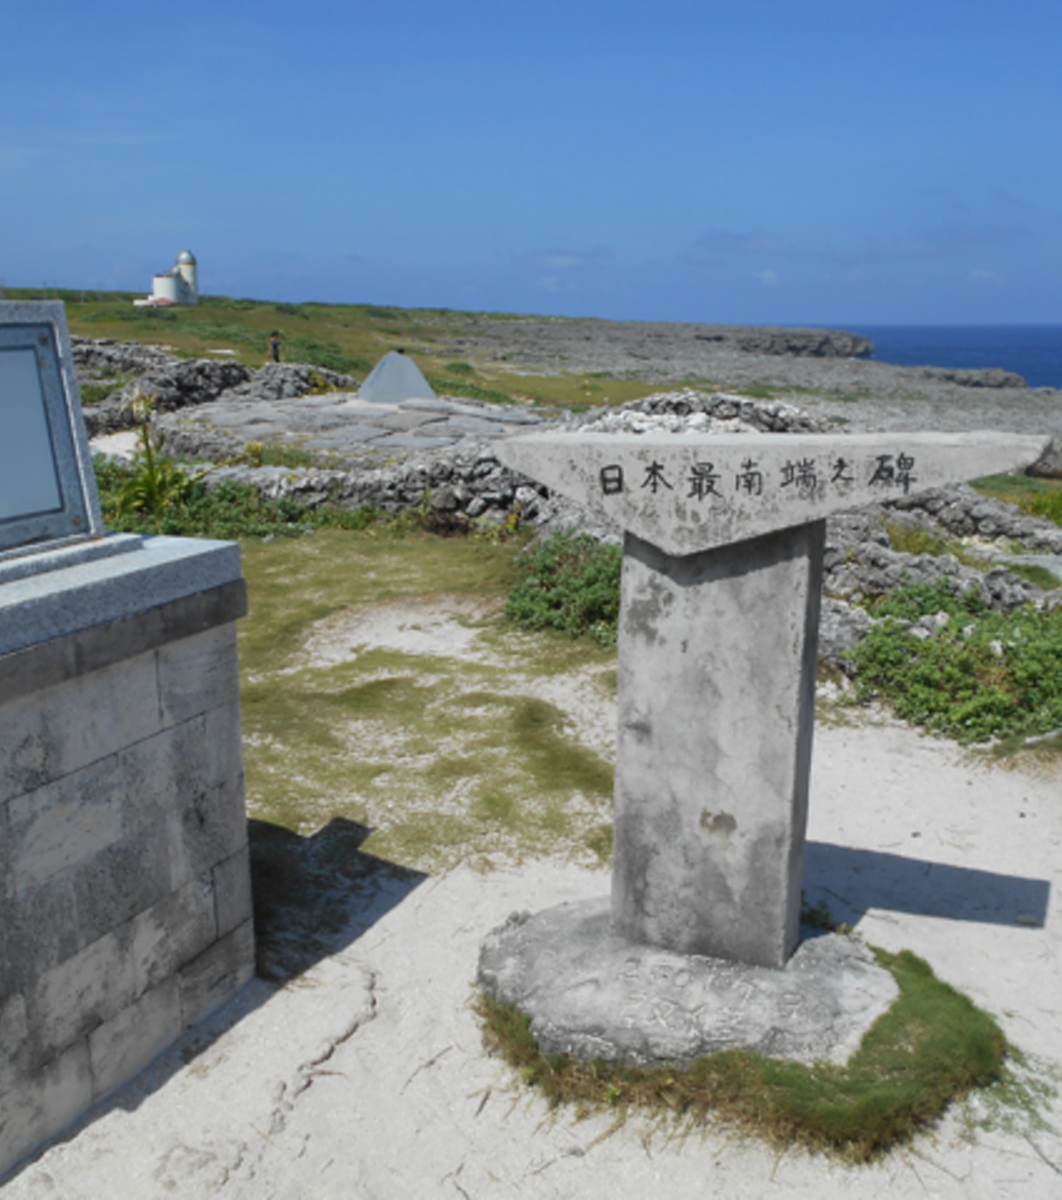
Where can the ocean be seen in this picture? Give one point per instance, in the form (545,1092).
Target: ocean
(1034,351)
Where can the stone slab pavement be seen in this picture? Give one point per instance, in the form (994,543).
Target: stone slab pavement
(344,424)
(367,1077)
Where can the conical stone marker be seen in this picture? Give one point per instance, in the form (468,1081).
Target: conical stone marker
(718,638)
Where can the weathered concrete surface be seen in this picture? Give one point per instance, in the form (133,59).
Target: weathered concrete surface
(717,662)
(690,493)
(595,995)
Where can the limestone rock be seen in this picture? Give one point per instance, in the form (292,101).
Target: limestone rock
(596,996)
(1049,465)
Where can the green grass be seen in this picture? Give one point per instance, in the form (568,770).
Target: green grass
(1035,574)
(93,393)
(1038,497)
(348,338)
(914,540)
(930,1049)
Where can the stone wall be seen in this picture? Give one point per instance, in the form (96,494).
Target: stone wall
(125,905)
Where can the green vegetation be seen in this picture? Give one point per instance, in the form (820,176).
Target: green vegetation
(93,393)
(448,386)
(173,502)
(983,675)
(571,584)
(931,1048)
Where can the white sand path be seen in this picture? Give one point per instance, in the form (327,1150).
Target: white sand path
(367,1077)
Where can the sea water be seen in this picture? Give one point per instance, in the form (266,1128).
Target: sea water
(1033,351)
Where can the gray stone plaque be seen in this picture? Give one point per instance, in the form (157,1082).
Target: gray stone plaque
(47,486)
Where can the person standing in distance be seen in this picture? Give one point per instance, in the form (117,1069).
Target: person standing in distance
(274,346)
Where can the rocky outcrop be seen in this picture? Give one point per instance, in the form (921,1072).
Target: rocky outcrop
(858,570)
(1049,464)
(120,358)
(799,343)
(284,381)
(959,511)
(185,383)
(988,377)
(674,411)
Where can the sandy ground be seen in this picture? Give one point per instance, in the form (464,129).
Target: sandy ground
(367,1077)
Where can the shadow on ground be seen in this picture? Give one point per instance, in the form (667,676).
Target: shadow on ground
(312,897)
(850,881)
(315,894)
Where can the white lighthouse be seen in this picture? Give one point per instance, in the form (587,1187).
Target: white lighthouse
(179,285)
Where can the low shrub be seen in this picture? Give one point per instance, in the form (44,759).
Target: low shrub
(572,584)
(982,675)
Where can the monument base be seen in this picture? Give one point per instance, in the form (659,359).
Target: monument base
(125,889)
(594,995)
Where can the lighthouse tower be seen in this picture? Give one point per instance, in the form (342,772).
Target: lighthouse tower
(178,285)
(186,265)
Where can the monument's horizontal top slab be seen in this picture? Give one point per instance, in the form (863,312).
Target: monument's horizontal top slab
(78,589)
(690,492)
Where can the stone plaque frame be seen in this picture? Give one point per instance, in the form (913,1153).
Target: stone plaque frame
(45,414)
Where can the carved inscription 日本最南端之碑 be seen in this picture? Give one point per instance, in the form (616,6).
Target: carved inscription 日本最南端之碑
(799,477)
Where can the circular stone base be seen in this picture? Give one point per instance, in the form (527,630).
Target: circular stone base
(596,996)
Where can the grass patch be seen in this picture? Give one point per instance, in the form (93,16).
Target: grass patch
(1037,497)
(912,539)
(93,393)
(983,675)
(445,759)
(930,1049)
(285,456)
(1035,574)
(762,391)
(471,391)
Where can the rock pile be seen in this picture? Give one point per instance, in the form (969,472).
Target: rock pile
(101,355)
(703,412)
(961,512)
(455,488)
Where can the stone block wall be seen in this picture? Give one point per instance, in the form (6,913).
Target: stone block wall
(125,902)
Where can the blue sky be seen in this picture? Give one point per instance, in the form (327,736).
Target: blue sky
(762,161)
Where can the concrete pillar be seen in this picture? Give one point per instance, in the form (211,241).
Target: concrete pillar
(717,667)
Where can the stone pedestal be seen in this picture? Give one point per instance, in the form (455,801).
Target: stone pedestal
(717,662)
(125,903)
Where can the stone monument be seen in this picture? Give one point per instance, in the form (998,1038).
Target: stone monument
(125,903)
(718,631)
